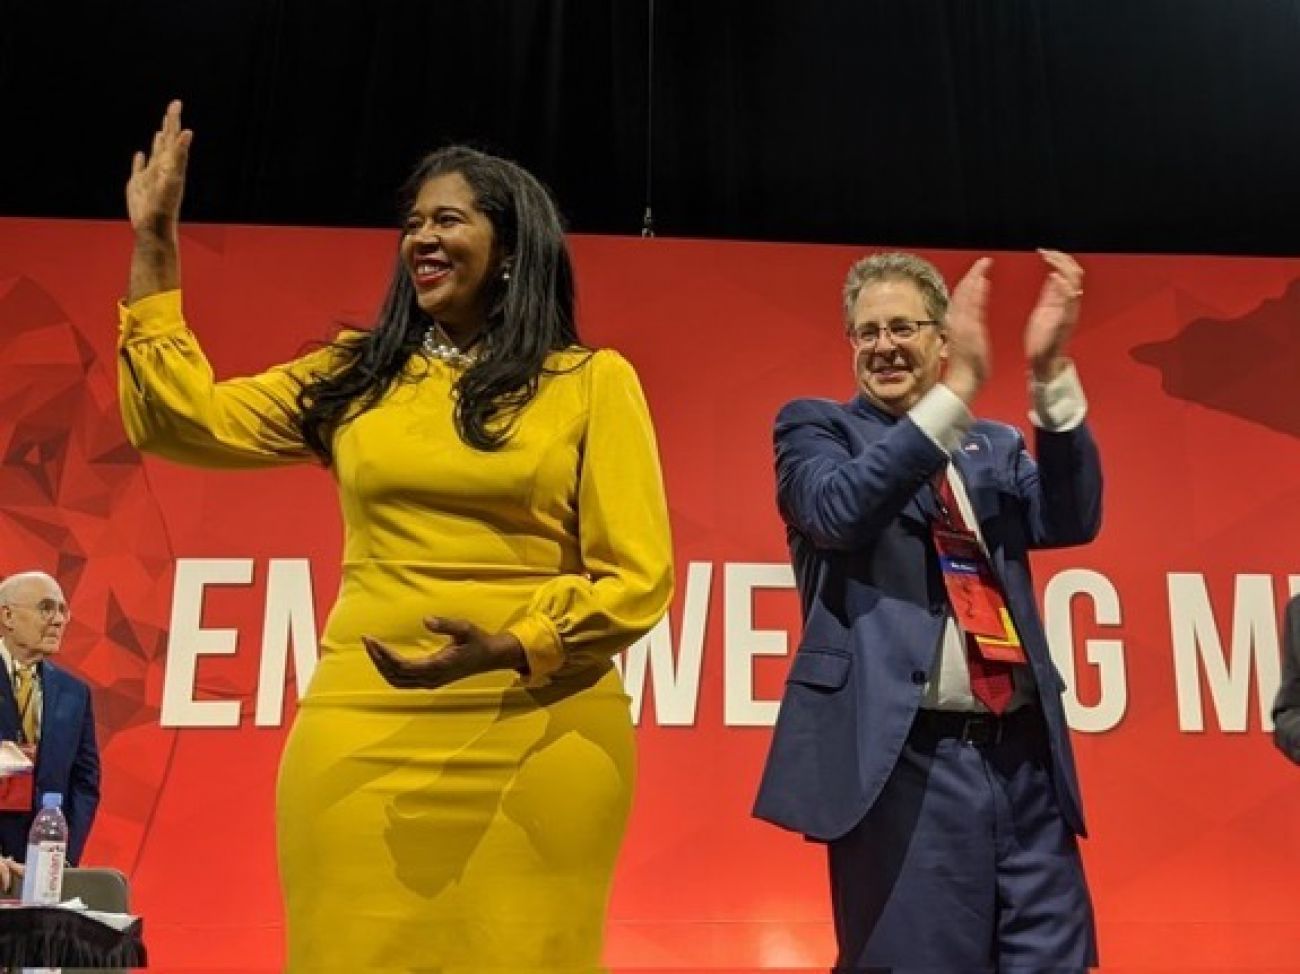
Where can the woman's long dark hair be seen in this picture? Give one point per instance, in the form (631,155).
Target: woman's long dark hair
(529,314)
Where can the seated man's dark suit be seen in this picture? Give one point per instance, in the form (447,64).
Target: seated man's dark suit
(67,760)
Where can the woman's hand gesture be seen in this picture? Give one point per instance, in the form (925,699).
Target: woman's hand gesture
(471,650)
(157,183)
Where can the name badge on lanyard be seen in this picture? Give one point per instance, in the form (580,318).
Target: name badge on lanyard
(975,596)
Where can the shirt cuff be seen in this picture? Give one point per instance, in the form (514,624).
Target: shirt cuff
(942,416)
(542,648)
(151,317)
(1058,405)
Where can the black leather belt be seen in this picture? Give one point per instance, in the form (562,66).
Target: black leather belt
(977,729)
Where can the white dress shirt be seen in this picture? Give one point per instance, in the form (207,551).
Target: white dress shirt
(1056,406)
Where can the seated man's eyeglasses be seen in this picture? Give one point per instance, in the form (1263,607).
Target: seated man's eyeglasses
(48,608)
(901,331)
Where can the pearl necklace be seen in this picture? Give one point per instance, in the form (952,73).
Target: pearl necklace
(436,345)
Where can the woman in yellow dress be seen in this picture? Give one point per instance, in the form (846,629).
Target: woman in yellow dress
(455,787)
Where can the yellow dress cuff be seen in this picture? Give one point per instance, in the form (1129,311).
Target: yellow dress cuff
(150,317)
(542,647)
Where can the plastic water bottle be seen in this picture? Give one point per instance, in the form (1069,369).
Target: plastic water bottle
(47,849)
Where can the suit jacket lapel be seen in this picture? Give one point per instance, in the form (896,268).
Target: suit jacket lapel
(972,453)
(51,697)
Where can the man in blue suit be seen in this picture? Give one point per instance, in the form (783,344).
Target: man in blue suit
(45,706)
(925,745)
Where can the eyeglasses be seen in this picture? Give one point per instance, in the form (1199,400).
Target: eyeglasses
(901,331)
(48,608)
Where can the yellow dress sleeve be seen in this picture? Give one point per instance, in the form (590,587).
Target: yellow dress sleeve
(624,536)
(173,406)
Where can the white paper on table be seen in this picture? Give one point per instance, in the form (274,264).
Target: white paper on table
(13,760)
(118,921)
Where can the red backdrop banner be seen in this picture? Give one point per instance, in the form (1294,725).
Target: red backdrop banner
(198,595)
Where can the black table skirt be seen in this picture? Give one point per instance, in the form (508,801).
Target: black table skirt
(44,936)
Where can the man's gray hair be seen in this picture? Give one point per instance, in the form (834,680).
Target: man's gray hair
(897,266)
(9,587)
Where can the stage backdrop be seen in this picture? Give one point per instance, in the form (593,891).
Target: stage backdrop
(198,595)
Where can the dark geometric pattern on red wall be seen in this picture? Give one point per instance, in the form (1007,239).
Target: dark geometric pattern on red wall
(1244,366)
(75,502)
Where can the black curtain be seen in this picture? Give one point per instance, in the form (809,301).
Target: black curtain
(1130,125)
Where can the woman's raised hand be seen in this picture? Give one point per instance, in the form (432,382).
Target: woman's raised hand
(157,183)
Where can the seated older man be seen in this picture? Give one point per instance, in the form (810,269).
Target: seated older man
(46,710)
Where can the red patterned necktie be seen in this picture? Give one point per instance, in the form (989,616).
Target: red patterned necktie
(990,680)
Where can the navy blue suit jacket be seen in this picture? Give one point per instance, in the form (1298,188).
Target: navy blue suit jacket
(67,760)
(853,489)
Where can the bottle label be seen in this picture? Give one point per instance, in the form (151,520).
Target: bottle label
(43,875)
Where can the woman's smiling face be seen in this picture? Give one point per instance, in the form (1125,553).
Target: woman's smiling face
(449,249)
